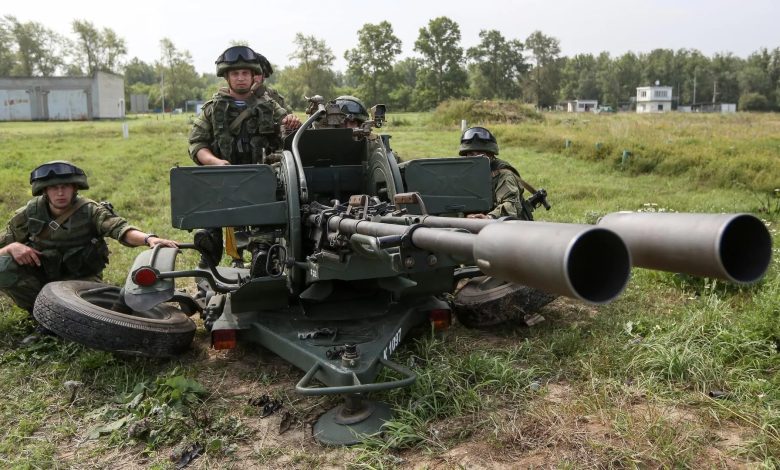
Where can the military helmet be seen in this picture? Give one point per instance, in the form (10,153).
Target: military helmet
(239,57)
(57,172)
(352,107)
(478,139)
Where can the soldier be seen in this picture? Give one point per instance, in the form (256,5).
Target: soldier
(354,110)
(507,184)
(59,235)
(260,89)
(237,127)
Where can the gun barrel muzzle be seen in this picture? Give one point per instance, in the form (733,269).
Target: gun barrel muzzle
(581,261)
(735,247)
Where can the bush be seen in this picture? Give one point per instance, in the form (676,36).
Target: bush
(475,112)
(753,102)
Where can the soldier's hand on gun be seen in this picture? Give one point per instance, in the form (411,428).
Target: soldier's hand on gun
(23,254)
(154,241)
(477,216)
(291,122)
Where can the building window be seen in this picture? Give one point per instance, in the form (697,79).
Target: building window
(643,94)
(661,93)
(660,107)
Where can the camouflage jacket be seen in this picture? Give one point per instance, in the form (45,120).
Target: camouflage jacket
(263,90)
(77,247)
(507,191)
(258,133)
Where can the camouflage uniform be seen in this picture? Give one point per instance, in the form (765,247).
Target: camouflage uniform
(507,186)
(264,91)
(507,191)
(258,134)
(76,250)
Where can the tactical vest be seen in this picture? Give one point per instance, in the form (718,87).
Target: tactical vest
(524,209)
(258,134)
(496,164)
(73,250)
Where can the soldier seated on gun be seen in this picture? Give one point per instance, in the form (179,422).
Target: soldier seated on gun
(507,184)
(59,235)
(343,112)
(238,127)
(354,110)
(260,89)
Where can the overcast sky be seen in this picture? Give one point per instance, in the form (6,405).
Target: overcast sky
(205,28)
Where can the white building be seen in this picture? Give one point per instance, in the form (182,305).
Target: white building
(582,106)
(62,98)
(723,108)
(653,99)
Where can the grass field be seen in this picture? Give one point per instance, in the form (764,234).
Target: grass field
(678,372)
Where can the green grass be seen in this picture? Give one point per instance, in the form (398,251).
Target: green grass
(622,385)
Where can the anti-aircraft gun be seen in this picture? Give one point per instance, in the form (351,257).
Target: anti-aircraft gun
(361,254)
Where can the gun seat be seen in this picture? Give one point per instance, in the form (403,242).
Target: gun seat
(333,163)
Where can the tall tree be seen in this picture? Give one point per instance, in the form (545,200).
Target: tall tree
(579,78)
(725,72)
(371,62)
(627,76)
(545,76)
(7,56)
(761,75)
(442,73)
(178,76)
(406,72)
(499,65)
(313,74)
(39,50)
(97,50)
(138,71)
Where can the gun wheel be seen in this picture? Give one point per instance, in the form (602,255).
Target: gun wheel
(485,301)
(92,313)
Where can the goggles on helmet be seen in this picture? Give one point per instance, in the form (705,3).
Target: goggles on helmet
(238,53)
(48,170)
(477,133)
(350,107)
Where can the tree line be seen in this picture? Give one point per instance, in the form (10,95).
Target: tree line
(531,70)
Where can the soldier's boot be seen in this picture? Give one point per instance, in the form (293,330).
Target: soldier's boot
(259,260)
(238,262)
(209,246)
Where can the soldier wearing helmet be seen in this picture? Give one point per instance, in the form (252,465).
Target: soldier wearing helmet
(260,89)
(59,235)
(343,112)
(236,126)
(354,110)
(507,184)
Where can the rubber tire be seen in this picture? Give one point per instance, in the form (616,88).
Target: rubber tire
(61,307)
(485,302)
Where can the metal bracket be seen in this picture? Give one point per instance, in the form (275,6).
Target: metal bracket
(303,387)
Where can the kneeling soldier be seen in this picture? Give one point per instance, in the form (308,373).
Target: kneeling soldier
(59,235)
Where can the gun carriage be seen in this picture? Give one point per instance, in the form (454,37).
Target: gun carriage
(363,249)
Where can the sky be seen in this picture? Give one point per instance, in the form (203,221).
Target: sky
(206,28)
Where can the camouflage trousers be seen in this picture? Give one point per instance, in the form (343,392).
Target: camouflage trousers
(22,283)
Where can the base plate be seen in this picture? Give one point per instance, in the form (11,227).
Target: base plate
(328,432)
